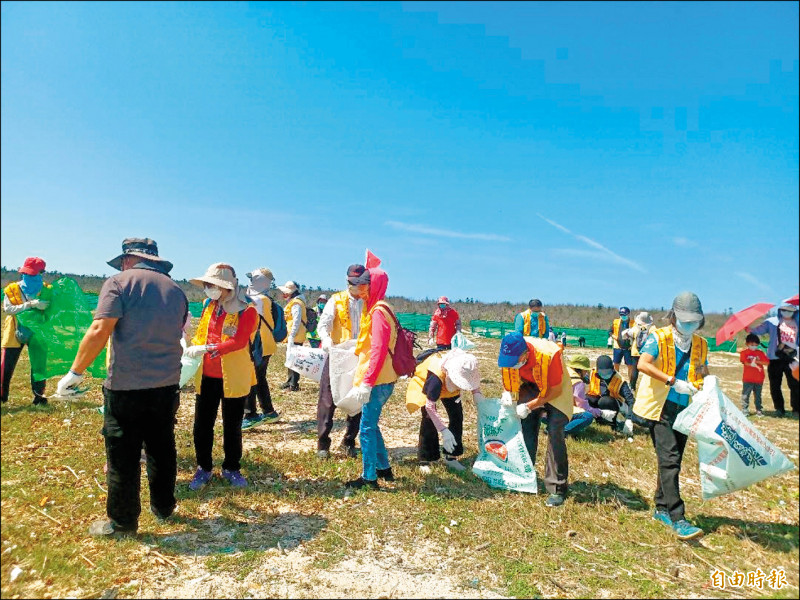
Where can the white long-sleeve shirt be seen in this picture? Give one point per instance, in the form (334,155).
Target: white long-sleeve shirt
(325,325)
(297,314)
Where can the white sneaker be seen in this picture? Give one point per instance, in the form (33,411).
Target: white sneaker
(452,463)
(425,469)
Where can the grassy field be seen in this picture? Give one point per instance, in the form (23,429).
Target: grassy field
(294,532)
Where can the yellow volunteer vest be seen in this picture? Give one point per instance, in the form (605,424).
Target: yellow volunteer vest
(14,294)
(614,386)
(526,327)
(342,327)
(287,313)
(545,350)
(387,373)
(651,394)
(615,328)
(238,373)
(634,349)
(267,339)
(415,398)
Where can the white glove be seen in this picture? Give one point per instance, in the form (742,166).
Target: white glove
(523,410)
(684,387)
(608,415)
(506,399)
(68,383)
(430,341)
(195,351)
(327,343)
(627,429)
(477,396)
(362,393)
(38,304)
(448,440)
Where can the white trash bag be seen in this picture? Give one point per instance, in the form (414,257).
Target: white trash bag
(189,368)
(306,361)
(733,453)
(343,363)
(460,341)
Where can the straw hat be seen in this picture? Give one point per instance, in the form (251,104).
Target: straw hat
(290,287)
(643,318)
(462,369)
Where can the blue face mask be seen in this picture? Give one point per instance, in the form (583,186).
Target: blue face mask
(443,306)
(31,284)
(687,327)
(604,374)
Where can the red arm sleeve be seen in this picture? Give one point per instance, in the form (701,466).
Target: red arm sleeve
(379,348)
(247,324)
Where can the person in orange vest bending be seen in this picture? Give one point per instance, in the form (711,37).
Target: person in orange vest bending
(535,379)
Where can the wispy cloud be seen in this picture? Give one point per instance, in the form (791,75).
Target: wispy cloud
(422,229)
(683,242)
(756,282)
(603,252)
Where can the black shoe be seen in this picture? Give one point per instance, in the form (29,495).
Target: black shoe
(385,474)
(107,528)
(349,451)
(285,385)
(39,401)
(294,388)
(160,516)
(359,483)
(781,413)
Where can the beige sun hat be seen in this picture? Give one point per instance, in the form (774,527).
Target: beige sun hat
(218,274)
(643,318)
(462,369)
(290,287)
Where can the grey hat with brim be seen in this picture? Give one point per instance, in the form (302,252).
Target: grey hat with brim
(145,248)
(687,307)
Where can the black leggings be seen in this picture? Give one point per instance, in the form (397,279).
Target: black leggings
(206,407)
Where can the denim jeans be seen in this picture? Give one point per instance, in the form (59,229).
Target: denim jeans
(579,422)
(373,450)
(755,388)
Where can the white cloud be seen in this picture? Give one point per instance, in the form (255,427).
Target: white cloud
(603,253)
(683,242)
(489,237)
(756,282)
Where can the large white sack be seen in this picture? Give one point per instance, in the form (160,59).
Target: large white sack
(189,368)
(733,453)
(306,361)
(342,367)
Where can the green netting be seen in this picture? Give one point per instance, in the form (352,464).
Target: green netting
(58,331)
(414,321)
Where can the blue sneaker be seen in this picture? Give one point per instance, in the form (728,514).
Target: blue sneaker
(249,422)
(235,478)
(686,531)
(200,479)
(662,516)
(271,417)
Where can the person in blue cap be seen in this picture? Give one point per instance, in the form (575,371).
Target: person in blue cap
(621,339)
(534,373)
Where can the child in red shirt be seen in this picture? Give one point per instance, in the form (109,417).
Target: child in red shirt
(754,361)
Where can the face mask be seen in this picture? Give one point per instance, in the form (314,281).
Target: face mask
(213,292)
(31,284)
(604,374)
(687,327)
(443,306)
(585,378)
(752,347)
(786,314)
(321,306)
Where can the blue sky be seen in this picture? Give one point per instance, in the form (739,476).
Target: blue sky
(575,152)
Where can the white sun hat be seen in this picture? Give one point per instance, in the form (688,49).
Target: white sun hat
(462,369)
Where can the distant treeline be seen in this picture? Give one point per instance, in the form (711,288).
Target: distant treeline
(561,315)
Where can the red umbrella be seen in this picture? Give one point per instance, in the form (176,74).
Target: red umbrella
(740,320)
(793,300)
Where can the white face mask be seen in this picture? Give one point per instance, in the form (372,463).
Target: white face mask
(213,292)
(687,327)
(786,314)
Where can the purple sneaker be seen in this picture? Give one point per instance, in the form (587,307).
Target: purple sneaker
(235,478)
(201,478)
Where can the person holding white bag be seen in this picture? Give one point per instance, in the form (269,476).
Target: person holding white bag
(442,376)
(340,321)
(672,365)
(295,314)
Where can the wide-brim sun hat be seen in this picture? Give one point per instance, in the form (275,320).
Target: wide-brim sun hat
(580,361)
(462,368)
(644,318)
(142,247)
(687,307)
(443,300)
(290,287)
(260,272)
(217,274)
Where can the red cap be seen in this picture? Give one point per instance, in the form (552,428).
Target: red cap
(33,266)
(443,299)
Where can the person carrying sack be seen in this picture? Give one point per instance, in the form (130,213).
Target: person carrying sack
(258,291)
(642,327)
(227,326)
(375,376)
(295,314)
(30,293)
(340,321)
(673,363)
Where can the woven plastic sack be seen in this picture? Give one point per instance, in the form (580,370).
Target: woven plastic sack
(460,341)
(733,453)
(306,361)
(342,368)
(58,331)
(503,461)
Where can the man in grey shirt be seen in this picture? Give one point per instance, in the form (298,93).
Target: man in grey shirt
(143,312)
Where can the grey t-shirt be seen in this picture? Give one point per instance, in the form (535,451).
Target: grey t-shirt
(145,344)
